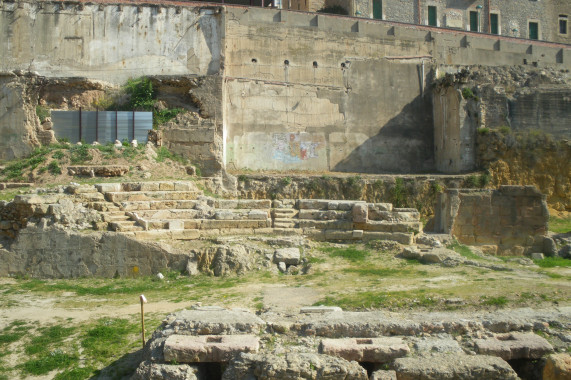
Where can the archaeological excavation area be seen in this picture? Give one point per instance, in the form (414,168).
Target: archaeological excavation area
(194,191)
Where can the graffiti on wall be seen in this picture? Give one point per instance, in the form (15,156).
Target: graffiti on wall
(292,148)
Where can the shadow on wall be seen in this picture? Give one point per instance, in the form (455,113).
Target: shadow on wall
(405,144)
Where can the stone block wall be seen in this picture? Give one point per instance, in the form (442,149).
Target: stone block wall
(509,221)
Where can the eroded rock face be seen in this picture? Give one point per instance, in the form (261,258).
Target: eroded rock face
(293,366)
(155,371)
(557,367)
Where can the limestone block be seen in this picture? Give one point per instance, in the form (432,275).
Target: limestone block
(290,256)
(257,215)
(537,256)
(313,204)
(166,186)
(150,186)
(332,205)
(226,203)
(323,224)
(360,213)
(514,346)
(399,237)
(338,235)
(357,234)
(375,350)
(224,215)
(453,366)
(208,348)
(557,367)
(384,375)
(131,186)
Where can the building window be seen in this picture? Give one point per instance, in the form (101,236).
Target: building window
(533,30)
(562,24)
(432,17)
(473,21)
(494,23)
(378,9)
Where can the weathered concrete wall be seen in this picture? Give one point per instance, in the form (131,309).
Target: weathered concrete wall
(336,104)
(510,220)
(454,131)
(109,42)
(18,120)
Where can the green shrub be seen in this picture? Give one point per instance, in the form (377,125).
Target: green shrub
(54,168)
(483,131)
(505,130)
(164,154)
(43,113)
(58,155)
(141,92)
(80,154)
(163,116)
(243,178)
(467,93)
(286,181)
(399,194)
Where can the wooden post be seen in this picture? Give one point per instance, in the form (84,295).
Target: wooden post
(143,301)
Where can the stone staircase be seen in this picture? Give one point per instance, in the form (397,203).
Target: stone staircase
(178,210)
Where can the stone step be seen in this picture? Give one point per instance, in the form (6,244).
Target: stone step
(102,206)
(129,196)
(285,213)
(115,216)
(206,224)
(243,203)
(284,224)
(170,214)
(147,186)
(125,226)
(90,197)
(158,205)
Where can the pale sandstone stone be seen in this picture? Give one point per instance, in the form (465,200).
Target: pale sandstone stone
(209,348)
(289,256)
(514,346)
(375,350)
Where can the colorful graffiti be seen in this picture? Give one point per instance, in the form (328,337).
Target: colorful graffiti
(295,147)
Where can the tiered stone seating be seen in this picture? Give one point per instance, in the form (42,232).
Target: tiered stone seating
(179,209)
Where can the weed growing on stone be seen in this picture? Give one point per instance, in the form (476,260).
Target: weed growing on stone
(399,194)
(463,250)
(163,154)
(43,113)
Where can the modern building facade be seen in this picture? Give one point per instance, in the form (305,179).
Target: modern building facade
(532,19)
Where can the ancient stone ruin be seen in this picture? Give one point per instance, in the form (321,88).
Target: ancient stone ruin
(328,343)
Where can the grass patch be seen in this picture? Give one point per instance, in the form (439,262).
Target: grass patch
(163,154)
(560,225)
(494,301)
(552,262)
(375,299)
(108,338)
(75,373)
(463,250)
(48,336)
(351,253)
(379,272)
(49,361)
